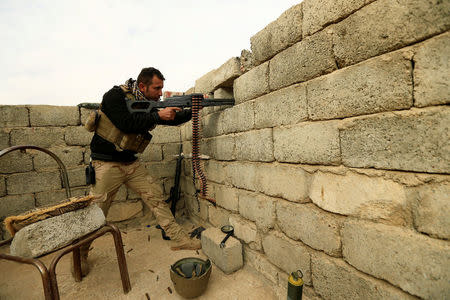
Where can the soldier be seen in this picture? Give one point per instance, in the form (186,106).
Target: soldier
(119,135)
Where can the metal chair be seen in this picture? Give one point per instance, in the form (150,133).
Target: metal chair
(48,275)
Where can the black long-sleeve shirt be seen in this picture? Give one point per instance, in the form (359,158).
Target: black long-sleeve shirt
(115,108)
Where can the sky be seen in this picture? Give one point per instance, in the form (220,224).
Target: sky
(68,52)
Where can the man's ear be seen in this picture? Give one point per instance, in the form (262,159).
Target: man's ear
(141,86)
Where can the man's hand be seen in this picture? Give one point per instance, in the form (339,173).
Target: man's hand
(168,113)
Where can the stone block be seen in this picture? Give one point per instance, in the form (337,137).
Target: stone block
(247,60)
(380,84)
(44,137)
(4,138)
(414,140)
(70,157)
(218,217)
(15,162)
(242,175)
(12,205)
(53,233)
(255,145)
(224,93)
(32,182)
(252,84)
(220,77)
(50,198)
(310,143)
(186,131)
(283,107)
(261,264)
(432,63)
(220,148)
(84,114)
(283,180)
(361,196)
(238,118)
(121,211)
(258,208)
(383,26)
(314,227)
(161,169)
(77,135)
(14,116)
(229,258)
(307,59)
(2,186)
(166,134)
(418,264)
(170,151)
(431,209)
(278,35)
(211,125)
(226,197)
(244,229)
(152,153)
(77,176)
(49,115)
(215,170)
(319,14)
(287,254)
(334,279)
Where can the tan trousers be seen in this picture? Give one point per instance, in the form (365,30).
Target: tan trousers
(109,176)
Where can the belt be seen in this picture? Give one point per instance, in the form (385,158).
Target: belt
(101,156)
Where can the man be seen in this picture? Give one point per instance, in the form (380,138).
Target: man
(113,151)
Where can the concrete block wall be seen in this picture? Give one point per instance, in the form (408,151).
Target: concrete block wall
(32,179)
(336,157)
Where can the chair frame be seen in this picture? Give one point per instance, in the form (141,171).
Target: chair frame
(48,275)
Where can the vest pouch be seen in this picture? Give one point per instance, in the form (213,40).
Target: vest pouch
(91,122)
(135,142)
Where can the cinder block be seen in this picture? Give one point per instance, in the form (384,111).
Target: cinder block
(212,125)
(287,254)
(361,196)
(15,162)
(170,151)
(218,216)
(226,197)
(238,118)
(318,14)
(258,208)
(215,171)
(32,182)
(431,209)
(186,131)
(4,138)
(252,84)
(416,263)
(76,176)
(14,116)
(244,230)
(12,205)
(432,63)
(380,84)
(220,148)
(313,143)
(2,186)
(255,145)
(229,258)
(44,137)
(70,156)
(261,264)
(413,140)
(334,279)
(385,25)
(312,226)
(283,180)
(278,35)
(220,77)
(242,175)
(153,152)
(224,93)
(52,233)
(166,134)
(77,135)
(283,107)
(303,61)
(48,115)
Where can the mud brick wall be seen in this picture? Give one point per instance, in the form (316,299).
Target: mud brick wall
(336,157)
(32,179)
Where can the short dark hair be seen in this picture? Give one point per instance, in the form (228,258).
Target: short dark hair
(147,74)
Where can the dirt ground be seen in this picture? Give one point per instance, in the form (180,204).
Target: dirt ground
(148,267)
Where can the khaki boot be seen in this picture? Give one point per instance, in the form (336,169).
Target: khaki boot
(185,243)
(84,263)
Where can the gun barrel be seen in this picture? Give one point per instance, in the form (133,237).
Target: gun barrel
(217,102)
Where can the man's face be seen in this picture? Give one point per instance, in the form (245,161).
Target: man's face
(152,91)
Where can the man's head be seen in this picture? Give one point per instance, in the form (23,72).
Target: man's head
(151,82)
